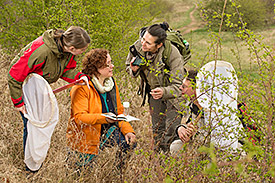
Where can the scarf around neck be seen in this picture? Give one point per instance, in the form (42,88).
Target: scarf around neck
(108,84)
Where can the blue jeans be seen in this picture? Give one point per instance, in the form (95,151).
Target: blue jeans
(25,135)
(112,137)
(25,130)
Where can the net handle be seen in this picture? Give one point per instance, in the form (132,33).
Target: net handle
(67,86)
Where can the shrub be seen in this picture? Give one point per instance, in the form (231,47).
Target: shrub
(254,13)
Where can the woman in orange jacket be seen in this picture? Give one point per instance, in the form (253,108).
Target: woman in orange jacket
(87,125)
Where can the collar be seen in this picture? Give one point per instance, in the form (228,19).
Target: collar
(108,84)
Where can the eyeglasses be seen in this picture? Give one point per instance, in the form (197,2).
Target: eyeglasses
(109,64)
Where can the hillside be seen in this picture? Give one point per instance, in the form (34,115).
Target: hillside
(255,71)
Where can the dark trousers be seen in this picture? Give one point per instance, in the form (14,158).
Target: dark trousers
(165,119)
(111,136)
(25,130)
(25,135)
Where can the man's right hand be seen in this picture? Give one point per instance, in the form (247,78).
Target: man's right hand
(186,133)
(134,67)
(22,109)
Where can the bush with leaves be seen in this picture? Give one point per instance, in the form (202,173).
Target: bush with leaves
(256,88)
(254,13)
(110,23)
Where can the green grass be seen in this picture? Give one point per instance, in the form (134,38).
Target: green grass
(177,16)
(232,49)
(183,18)
(145,165)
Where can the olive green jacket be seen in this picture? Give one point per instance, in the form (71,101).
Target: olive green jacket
(157,74)
(43,57)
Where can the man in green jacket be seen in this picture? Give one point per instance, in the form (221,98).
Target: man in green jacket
(159,81)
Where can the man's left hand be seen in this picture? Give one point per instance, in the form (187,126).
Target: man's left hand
(185,134)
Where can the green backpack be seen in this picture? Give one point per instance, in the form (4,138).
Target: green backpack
(176,38)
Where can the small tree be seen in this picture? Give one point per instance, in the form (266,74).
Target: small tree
(254,13)
(110,23)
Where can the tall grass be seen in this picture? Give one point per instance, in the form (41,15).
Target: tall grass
(144,164)
(178,14)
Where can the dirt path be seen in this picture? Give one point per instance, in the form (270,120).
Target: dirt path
(193,25)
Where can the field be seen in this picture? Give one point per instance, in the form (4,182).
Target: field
(256,76)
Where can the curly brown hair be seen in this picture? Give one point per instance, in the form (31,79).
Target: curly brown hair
(94,60)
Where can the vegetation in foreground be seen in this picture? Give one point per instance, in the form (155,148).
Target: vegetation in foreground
(252,55)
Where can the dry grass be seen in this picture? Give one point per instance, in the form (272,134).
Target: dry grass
(144,165)
(54,168)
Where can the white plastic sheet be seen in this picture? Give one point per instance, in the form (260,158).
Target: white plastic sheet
(42,114)
(217,93)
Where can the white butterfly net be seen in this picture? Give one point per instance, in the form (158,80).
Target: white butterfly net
(42,114)
(217,93)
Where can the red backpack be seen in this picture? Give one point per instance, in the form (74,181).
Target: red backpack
(249,124)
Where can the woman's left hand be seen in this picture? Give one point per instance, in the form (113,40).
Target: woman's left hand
(130,138)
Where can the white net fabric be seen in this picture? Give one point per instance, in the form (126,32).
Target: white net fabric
(217,93)
(42,114)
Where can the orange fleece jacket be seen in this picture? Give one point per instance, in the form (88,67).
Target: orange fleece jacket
(84,127)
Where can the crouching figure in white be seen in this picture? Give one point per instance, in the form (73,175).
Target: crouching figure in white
(212,93)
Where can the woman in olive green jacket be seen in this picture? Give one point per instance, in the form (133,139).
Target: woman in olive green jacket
(51,56)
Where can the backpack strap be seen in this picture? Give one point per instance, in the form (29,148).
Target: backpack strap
(166,54)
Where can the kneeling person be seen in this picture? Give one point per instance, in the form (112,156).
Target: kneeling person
(220,128)
(88,131)
(188,129)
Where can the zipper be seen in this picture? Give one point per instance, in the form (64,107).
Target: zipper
(59,63)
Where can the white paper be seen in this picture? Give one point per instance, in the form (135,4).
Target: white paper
(120,117)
